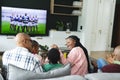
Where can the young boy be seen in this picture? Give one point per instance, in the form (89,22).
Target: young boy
(53,60)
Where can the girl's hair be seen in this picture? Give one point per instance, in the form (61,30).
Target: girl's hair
(35,47)
(34,43)
(53,56)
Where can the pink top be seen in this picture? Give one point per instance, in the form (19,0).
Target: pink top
(78,61)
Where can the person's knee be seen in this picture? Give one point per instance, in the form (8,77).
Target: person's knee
(101,62)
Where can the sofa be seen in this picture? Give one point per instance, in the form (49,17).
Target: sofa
(63,73)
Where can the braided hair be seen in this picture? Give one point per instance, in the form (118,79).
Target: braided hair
(78,44)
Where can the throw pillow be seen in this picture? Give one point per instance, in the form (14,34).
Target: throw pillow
(1,78)
(111,68)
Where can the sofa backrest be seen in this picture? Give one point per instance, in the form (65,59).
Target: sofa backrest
(16,73)
(1,78)
(103,76)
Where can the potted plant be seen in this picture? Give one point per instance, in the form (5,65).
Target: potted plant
(60,25)
(44,48)
(43,51)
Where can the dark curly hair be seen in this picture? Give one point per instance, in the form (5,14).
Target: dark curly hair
(34,43)
(53,55)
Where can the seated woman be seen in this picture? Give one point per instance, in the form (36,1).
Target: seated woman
(53,60)
(77,57)
(112,61)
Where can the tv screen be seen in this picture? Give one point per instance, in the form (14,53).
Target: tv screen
(30,21)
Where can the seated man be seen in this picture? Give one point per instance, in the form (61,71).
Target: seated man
(21,55)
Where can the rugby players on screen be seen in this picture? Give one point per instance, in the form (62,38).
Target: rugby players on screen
(36,23)
(25,23)
(12,21)
(20,23)
(16,22)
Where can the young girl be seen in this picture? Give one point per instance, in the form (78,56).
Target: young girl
(35,51)
(35,47)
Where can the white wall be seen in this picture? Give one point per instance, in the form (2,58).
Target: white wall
(97,20)
(55,37)
(102,33)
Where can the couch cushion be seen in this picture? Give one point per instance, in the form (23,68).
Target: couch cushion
(1,78)
(69,77)
(111,68)
(103,76)
(15,73)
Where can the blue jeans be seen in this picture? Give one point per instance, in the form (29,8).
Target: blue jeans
(101,63)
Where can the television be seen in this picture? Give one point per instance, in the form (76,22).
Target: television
(30,21)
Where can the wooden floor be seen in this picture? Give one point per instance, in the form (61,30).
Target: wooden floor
(99,54)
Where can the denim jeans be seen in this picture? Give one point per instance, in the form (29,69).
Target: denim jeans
(101,63)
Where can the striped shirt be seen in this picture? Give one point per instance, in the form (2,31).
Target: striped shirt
(22,58)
